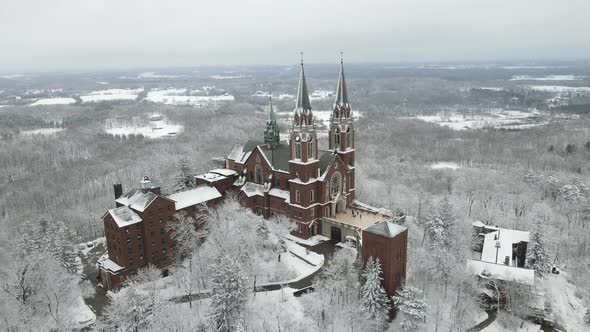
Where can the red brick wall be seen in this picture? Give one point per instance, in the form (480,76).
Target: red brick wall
(392,253)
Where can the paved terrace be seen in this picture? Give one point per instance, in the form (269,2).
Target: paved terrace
(361,219)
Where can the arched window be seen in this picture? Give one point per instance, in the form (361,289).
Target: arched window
(348,137)
(311,196)
(297,150)
(337,138)
(310,149)
(258,171)
(297,196)
(335,184)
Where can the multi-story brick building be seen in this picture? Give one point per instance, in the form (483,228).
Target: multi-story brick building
(137,229)
(315,188)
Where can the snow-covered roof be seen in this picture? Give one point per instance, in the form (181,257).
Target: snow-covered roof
(201,194)
(501,272)
(137,199)
(284,194)
(478,224)
(386,228)
(211,177)
(498,244)
(224,171)
(251,189)
(236,152)
(124,216)
(365,206)
(109,265)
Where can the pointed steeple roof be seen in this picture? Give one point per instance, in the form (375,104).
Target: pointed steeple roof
(271,133)
(341,92)
(271,115)
(302,94)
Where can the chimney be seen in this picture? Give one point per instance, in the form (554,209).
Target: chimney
(118,190)
(145,184)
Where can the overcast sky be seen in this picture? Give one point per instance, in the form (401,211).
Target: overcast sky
(99,34)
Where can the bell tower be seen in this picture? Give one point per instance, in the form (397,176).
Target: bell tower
(341,137)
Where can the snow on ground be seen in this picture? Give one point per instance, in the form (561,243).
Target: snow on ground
(559,88)
(321,117)
(54,101)
(81,315)
(312,241)
(12,76)
(174,96)
(526,327)
(86,247)
(228,77)
(445,165)
(151,74)
(102,83)
(4,106)
(111,94)
(546,78)
(499,118)
(158,127)
(567,309)
(490,88)
(532,67)
(42,131)
(301,260)
(321,94)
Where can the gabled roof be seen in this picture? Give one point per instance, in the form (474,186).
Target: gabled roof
(236,152)
(386,229)
(278,157)
(124,216)
(201,194)
(137,199)
(326,158)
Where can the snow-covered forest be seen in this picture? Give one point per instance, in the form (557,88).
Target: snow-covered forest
(235,274)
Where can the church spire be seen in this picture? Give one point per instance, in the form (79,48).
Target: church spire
(271,133)
(341,93)
(302,113)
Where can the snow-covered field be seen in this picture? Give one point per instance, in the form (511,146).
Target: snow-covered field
(157,127)
(546,78)
(228,77)
(499,118)
(111,94)
(42,131)
(174,96)
(559,88)
(54,101)
(445,165)
(567,309)
(321,94)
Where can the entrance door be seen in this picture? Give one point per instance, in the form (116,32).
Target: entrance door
(336,234)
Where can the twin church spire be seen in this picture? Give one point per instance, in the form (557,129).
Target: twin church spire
(302,114)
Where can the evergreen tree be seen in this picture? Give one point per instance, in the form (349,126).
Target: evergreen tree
(412,307)
(184,179)
(441,224)
(374,300)
(587,317)
(228,294)
(538,257)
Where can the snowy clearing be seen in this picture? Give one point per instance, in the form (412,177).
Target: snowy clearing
(111,94)
(157,127)
(546,78)
(228,77)
(174,96)
(54,101)
(445,165)
(559,88)
(42,131)
(498,118)
(151,74)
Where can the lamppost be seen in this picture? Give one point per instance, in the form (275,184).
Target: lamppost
(497,250)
